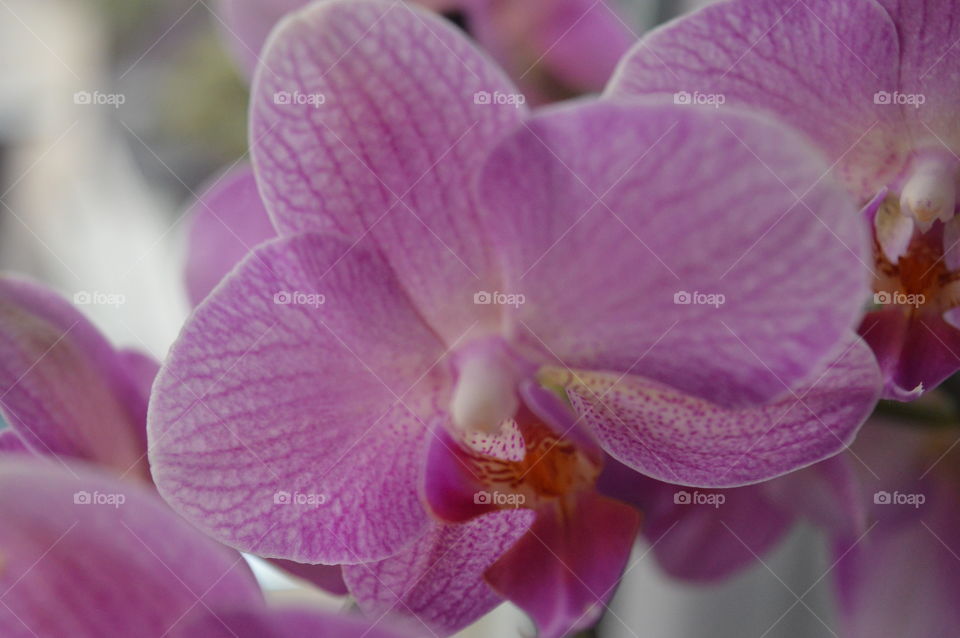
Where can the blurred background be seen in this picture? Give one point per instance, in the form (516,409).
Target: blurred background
(113,113)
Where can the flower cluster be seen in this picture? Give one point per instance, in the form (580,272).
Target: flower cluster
(450,348)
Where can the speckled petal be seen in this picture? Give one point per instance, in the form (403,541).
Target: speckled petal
(679,438)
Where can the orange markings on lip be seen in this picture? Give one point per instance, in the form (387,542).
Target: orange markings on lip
(920,273)
(552,467)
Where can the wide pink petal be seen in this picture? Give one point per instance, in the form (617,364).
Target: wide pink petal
(678,438)
(288,419)
(929,31)
(817,65)
(669,242)
(65,390)
(370,118)
(439,579)
(227,221)
(76,560)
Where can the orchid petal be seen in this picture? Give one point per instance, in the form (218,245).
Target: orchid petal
(916,352)
(228,220)
(404,109)
(678,438)
(564,569)
(306,372)
(702,535)
(826,68)
(66,391)
(439,579)
(670,242)
(79,539)
(284,622)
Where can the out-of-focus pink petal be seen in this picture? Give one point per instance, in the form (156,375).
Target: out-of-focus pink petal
(288,419)
(66,391)
(11,442)
(564,569)
(819,65)
(700,535)
(287,622)
(439,579)
(228,220)
(245,25)
(678,438)
(372,119)
(87,556)
(669,242)
(826,494)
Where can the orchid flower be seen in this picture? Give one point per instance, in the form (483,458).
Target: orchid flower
(467,306)
(553,48)
(70,394)
(873,84)
(85,554)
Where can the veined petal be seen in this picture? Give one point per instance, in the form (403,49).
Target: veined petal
(928,31)
(78,540)
(827,68)
(675,437)
(288,417)
(227,222)
(371,119)
(65,390)
(439,579)
(670,242)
